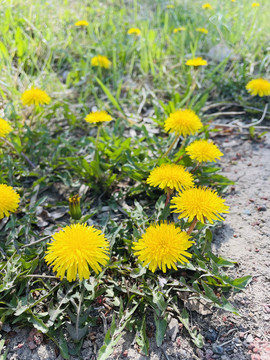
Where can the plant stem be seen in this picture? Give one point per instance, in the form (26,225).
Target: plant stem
(169,193)
(192,226)
(195,168)
(36,242)
(171,146)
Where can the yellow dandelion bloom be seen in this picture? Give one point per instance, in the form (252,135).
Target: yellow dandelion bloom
(170,176)
(134,31)
(259,87)
(202,203)
(183,122)
(181,28)
(9,200)
(35,97)
(207,6)
(232,0)
(76,248)
(101,61)
(203,150)
(98,117)
(170,6)
(255,4)
(198,61)
(5,128)
(163,245)
(81,23)
(202,30)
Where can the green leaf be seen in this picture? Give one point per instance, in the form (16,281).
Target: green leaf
(110,95)
(210,293)
(161,326)
(141,337)
(63,346)
(114,334)
(76,333)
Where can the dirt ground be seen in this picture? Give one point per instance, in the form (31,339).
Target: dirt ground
(244,237)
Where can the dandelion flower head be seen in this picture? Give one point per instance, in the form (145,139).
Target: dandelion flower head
(207,6)
(35,97)
(9,200)
(255,4)
(201,202)
(101,61)
(170,176)
(259,87)
(183,122)
(202,30)
(76,248)
(203,150)
(162,246)
(198,61)
(98,117)
(170,6)
(81,23)
(181,28)
(5,128)
(134,31)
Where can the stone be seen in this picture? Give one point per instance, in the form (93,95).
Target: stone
(249,339)
(173,329)
(217,349)
(211,334)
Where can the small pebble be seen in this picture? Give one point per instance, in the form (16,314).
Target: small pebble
(217,349)
(261,208)
(211,335)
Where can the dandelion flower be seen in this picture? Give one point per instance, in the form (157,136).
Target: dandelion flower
(76,248)
(101,61)
(170,6)
(202,203)
(163,245)
(5,128)
(259,87)
(183,122)
(35,97)
(9,200)
(207,6)
(203,150)
(198,61)
(134,31)
(181,28)
(255,4)
(98,117)
(202,30)
(81,23)
(170,176)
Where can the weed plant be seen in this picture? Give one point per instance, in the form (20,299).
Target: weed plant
(53,155)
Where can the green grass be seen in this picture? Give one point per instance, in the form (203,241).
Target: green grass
(148,79)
